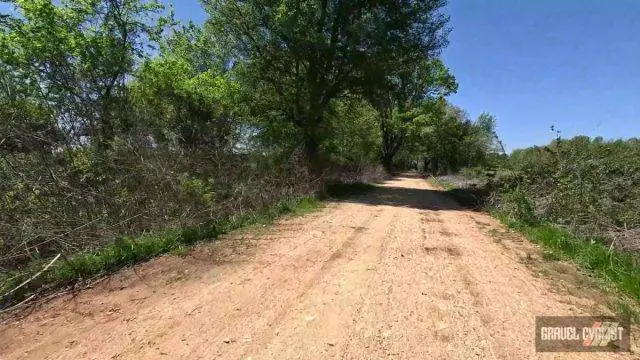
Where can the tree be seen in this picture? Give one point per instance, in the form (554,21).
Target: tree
(186,95)
(311,52)
(481,143)
(353,132)
(410,86)
(74,56)
(444,138)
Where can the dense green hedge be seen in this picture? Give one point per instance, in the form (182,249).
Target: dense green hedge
(589,186)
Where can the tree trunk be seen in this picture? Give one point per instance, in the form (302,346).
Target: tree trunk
(388,163)
(312,141)
(425,164)
(391,143)
(312,152)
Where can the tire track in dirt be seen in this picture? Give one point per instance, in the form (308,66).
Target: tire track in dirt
(263,296)
(318,323)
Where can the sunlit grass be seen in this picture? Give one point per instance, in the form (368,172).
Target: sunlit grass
(609,265)
(128,250)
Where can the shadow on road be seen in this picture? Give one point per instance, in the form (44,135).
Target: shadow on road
(422,199)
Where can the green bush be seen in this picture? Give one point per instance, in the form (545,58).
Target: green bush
(590,186)
(518,206)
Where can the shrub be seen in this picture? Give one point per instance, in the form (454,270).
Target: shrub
(589,186)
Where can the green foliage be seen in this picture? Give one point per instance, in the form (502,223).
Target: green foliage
(127,250)
(519,206)
(306,54)
(589,185)
(178,103)
(74,57)
(611,266)
(413,86)
(353,134)
(116,124)
(442,139)
(579,198)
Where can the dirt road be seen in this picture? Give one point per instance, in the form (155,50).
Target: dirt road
(400,273)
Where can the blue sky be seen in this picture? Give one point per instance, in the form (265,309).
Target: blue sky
(574,64)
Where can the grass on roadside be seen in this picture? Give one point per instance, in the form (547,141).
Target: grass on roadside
(466,197)
(610,266)
(126,251)
(614,270)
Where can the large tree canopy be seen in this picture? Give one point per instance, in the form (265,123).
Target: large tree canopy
(311,52)
(74,56)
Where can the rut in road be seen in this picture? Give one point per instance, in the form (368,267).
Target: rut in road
(401,273)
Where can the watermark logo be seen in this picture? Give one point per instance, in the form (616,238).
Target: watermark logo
(582,334)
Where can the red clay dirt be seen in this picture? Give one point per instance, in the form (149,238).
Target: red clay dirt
(399,273)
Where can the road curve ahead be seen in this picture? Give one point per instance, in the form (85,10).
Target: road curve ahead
(399,273)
